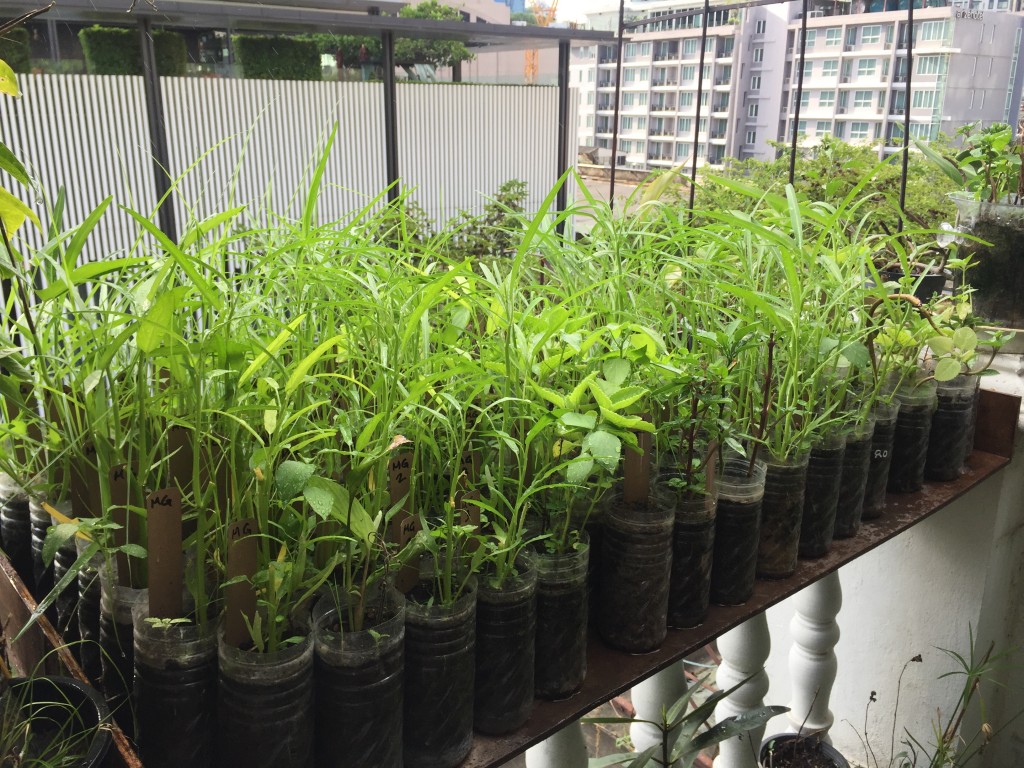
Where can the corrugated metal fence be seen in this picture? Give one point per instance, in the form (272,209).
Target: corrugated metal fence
(254,142)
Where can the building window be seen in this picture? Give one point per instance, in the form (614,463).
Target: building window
(707,72)
(840,130)
(830,68)
(752,110)
(590,75)
(871,34)
(934,31)
(833,36)
(685,100)
(758,54)
(590,121)
(931,65)
(858,130)
(823,127)
(685,126)
(689,73)
(923,131)
(590,98)
(827,99)
(704,98)
(636,74)
(805,99)
(808,69)
(866,68)
(631,50)
(861,99)
(755,83)
(759,27)
(690,46)
(923,100)
(751,137)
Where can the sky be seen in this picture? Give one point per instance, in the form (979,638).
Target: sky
(575,10)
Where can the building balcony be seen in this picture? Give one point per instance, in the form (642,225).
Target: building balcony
(671,56)
(664,83)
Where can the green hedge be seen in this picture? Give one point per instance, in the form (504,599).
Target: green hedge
(15,51)
(278,58)
(116,51)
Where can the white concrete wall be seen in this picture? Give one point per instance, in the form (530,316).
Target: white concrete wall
(915,594)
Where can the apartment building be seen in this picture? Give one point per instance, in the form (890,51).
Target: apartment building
(966,68)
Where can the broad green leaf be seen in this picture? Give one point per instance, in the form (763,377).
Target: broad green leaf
(965,339)
(13,212)
(579,420)
(158,322)
(947,369)
(8,80)
(615,371)
(579,470)
(940,345)
(133,550)
(55,539)
(321,497)
(857,354)
(291,477)
(12,165)
(270,420)
(634,423)
(605,447)
(627,396)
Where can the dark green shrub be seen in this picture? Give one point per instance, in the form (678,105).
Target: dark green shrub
(116,51)
(15,51)
(278,58)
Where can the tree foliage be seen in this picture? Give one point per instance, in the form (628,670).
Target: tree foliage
(440,53)
(278,58)
(116,51)
(14,49)
(526,16)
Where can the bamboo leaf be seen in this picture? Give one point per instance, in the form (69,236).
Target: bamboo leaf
(302,368)
(12,165)
(272,348)
(8,80)
(13,212)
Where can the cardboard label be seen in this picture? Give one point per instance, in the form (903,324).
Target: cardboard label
(163,511)
(240,597)
(404,526)
(469,514)
(636,471)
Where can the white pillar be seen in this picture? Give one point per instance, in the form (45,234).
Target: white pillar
(744,651)
(650,698)
(812,659)
(565,749)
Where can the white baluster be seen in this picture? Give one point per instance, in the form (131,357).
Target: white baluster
(564,749)
(744,651)
(812,660)
(650,698)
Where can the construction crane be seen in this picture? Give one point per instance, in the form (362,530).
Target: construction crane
(545,14)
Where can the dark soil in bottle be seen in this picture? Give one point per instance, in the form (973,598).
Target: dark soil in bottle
(996,277)
(693,546)
(560,663)
(734,564)
(879,466)
(792,751)
(176,709)
(821,498)
(118,663)
(440,665)
(89,596)
(852,486)
(66,604)
(781,516)
(636,565)
(948,441)
(910,448)
(42,574)
(17,535)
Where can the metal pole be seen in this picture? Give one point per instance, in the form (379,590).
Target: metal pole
(700,96)
(906,113)
(387,40)
(157,130)
(799,93)
(561,199)
(618,93)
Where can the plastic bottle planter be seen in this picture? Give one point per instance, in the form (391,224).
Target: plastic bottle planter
(821,495)
(561,645)
(881,459)
(781,516)
(506,622)
(791,749)
(66,604)
(265,707)
(16,530)
(175,693)
(42,573)
(359,687)
(440,662)
(910,440)
(117,649)
(88,610)
(636,565)
(853,483)
(948,445)
(737,531)
(693,546)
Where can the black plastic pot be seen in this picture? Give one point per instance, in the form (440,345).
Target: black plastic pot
(117,647)
(506,624)
(42,573)
(440,664)
(265,707)
(881,459)
(175,693)
(787,750)
(910,440)
(359,677)
(781,515)
(16,524)
(561,645)
(737,531)
(693,546)
(61,711)
(88,611)
(65,606)
(926,287)
(949,441)
(821,495)
(853,482)
(636,563)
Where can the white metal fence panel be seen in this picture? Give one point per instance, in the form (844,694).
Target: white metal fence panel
(89,134)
